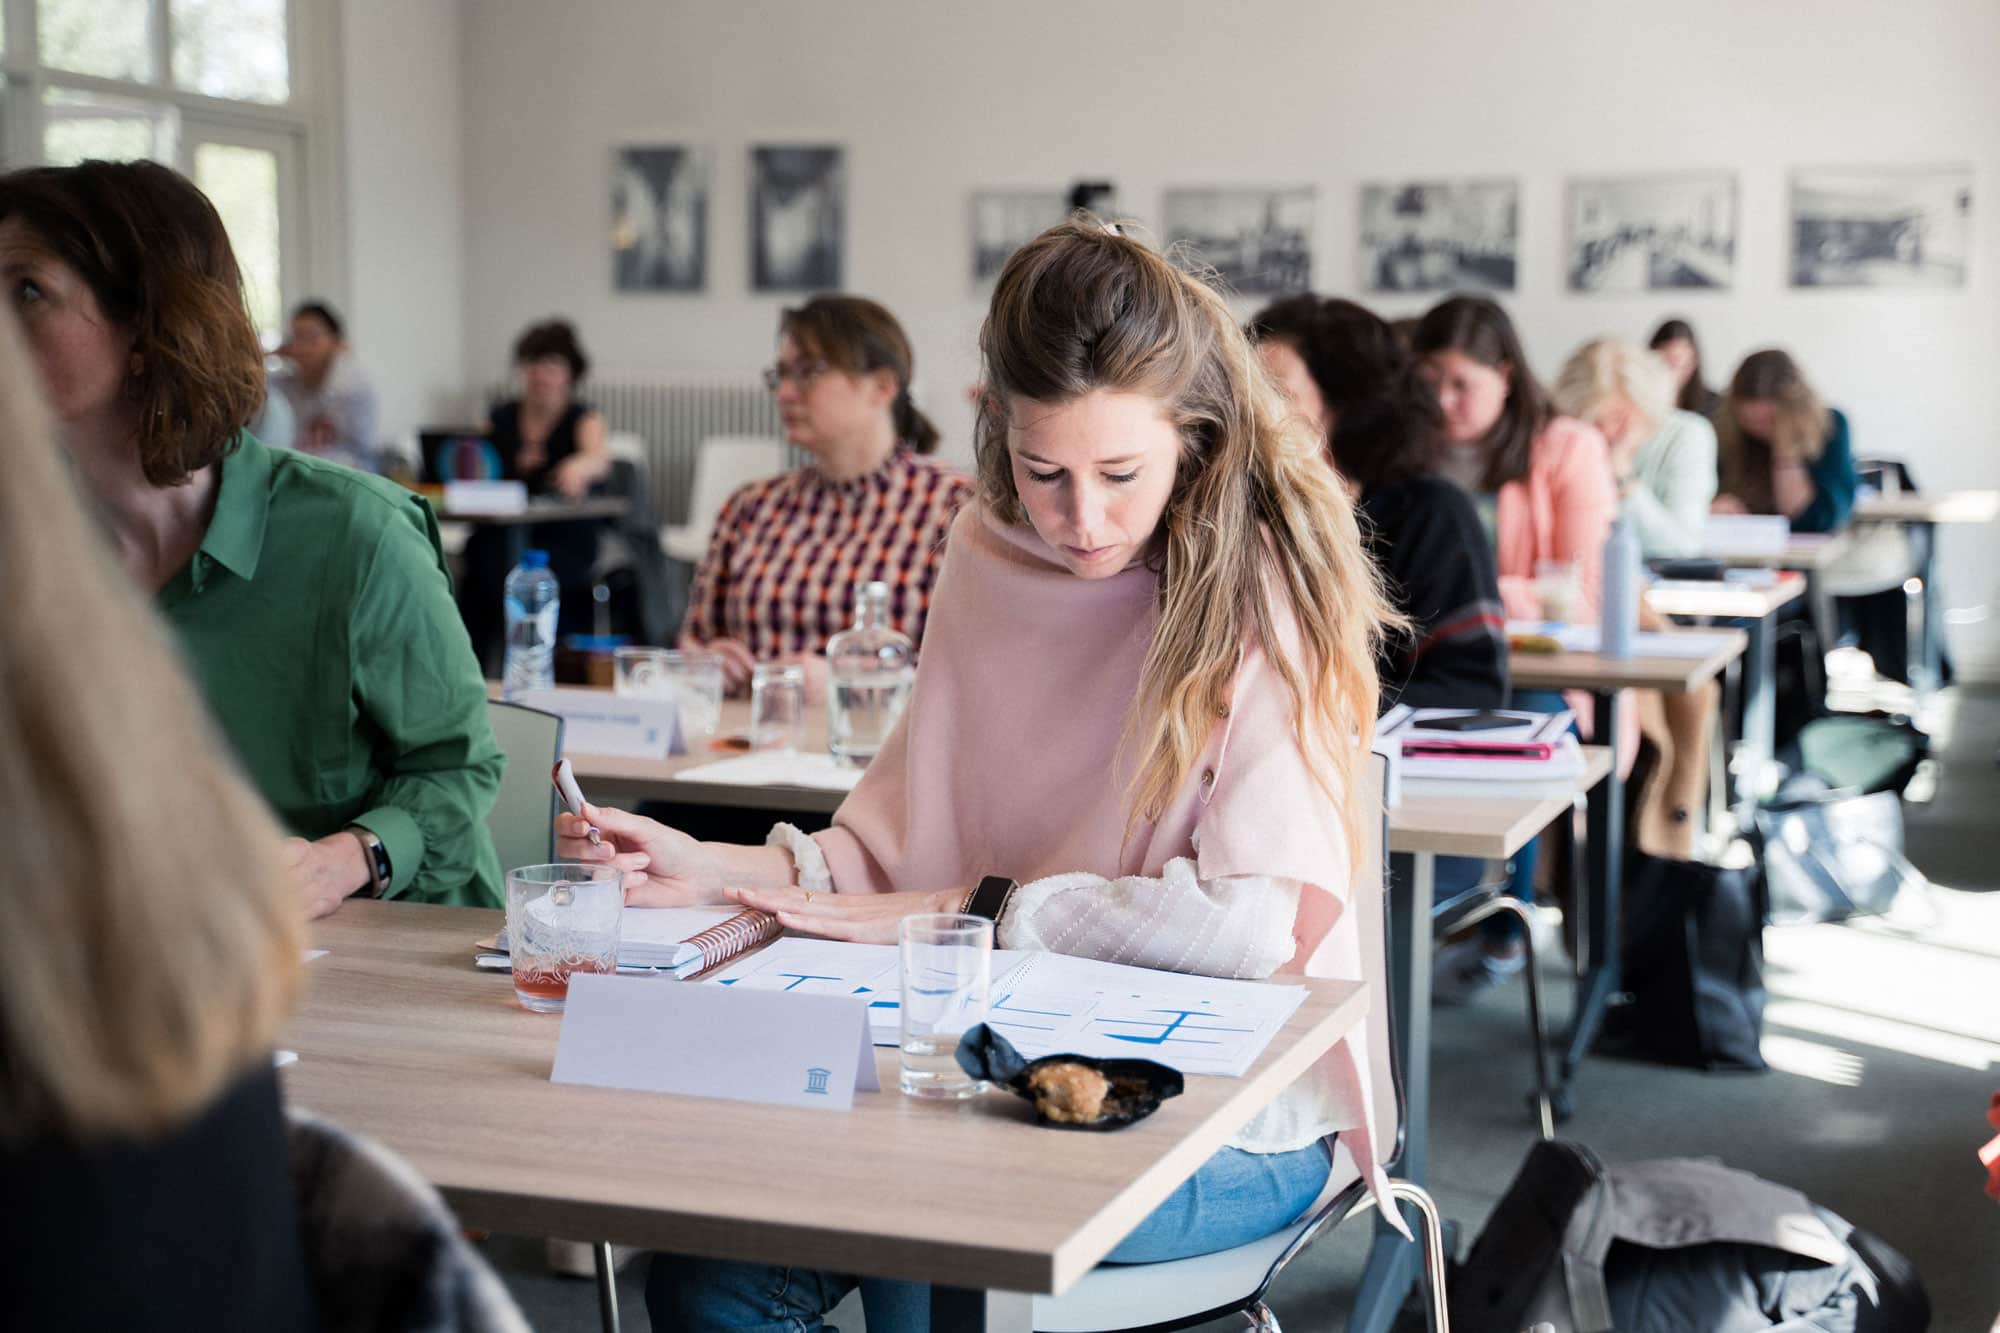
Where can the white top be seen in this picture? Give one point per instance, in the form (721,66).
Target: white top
(1238,926)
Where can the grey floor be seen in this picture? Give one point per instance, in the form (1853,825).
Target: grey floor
(1883,1039)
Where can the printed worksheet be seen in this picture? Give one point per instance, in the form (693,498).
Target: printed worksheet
(1047,1003)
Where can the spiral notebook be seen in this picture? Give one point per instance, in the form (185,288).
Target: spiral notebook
(680,941)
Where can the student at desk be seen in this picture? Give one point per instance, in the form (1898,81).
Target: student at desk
(1780,450)
(1151,656)
(311,600)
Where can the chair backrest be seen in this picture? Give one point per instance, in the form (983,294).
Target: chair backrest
(1370,900)
(523,818)
(626,446)
(725,463)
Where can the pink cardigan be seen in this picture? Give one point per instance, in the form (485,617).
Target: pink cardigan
(1562,510)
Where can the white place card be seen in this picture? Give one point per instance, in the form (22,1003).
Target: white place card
(600,722)
(715,1041)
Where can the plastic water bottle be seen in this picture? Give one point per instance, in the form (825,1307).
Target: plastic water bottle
(1621,589)
(534,599)
(869,668)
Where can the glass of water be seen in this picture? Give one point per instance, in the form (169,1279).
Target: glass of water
(947,970)
(641,672)
(561,919)
(777,707)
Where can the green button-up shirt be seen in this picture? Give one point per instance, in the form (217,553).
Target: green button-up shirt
(318,618)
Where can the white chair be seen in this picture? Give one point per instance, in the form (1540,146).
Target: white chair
(626,446)
(724,463)
(1181,1293)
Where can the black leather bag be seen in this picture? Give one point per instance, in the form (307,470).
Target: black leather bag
(1694,964)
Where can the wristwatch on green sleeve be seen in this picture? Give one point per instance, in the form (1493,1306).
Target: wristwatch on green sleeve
(379,870)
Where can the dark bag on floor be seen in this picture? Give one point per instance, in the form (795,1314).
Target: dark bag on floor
(1672,1246)
(1693,962)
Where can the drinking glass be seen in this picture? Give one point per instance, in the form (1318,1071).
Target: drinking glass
(1556,585)
(642,672)
(947,969)
(696,682)
(777,707)
(561,919)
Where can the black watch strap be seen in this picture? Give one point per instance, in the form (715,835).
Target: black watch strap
(990,898)
(380,872)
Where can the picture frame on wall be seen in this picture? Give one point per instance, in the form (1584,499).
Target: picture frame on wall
(1671,232)
(1258,240)
(798,217)
(659,218)
(1881,227)
(1436,236)
(1005,220)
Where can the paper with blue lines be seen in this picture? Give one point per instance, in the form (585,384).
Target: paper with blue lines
(1047,1002)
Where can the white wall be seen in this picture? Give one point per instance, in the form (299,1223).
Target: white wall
(936,99)
(401,115)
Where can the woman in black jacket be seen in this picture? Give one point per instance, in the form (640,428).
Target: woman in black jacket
(1345,370)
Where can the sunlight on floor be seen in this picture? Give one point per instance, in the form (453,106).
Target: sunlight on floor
(1811,1059)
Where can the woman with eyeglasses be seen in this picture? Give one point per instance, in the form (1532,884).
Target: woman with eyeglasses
(787,554)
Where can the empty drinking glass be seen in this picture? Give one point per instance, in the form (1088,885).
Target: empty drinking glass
(947,969)
(561,919)
(777,707)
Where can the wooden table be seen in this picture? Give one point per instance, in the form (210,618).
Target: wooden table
(1753,609)
(1943,507)
(1605,679)
(1924,513)
(542,509)
(1421,829)
(400,1037)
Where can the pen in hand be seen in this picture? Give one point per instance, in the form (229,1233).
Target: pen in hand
(572,796)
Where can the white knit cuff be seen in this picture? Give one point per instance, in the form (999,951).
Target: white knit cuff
(807,858)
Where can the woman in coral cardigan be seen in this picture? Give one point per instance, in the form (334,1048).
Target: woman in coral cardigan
(1543,486)
(1146,688)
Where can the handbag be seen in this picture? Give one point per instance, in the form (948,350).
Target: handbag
(1693,961)
(1831,856)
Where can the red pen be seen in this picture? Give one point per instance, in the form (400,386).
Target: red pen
(572,795)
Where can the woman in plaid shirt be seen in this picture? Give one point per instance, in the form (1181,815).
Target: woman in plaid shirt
(788,553)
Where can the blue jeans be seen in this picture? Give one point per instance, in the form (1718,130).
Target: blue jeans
(1236,1197)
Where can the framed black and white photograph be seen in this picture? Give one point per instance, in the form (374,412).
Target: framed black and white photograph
(659,219)
(1005,220)
(1889,227)
(1440,236)
(798,218)
(1258,241)
(1652,233)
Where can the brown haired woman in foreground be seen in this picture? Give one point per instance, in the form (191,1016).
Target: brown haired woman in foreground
(1145,696)
(311,601)
(149,956)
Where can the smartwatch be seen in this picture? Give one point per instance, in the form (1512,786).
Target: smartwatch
(379,871)
(990,898)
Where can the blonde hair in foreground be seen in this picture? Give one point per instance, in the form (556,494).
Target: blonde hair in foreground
(1256,520)
(150,947)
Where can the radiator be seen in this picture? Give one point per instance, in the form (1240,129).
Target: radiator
(673,414)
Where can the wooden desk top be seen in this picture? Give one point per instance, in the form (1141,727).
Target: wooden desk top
(1492,827)
(400,1037)
(543,511)
(1723,600)
(1805,550)
(1597,673)
(1943,507)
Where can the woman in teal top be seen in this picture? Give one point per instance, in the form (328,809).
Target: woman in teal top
(311,601)
(1780,450)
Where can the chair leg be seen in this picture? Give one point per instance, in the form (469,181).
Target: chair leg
(607,1287)
(1430,1233)
(1535,1034)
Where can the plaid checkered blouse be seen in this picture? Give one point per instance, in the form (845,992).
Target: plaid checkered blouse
(787,554)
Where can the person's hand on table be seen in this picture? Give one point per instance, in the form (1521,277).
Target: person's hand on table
(572,476)
(327,872)
(737,663)
(663,867)
(1727,504)
(861,918)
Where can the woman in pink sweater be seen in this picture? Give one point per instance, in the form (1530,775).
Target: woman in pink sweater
(1147,685)
(1543,484)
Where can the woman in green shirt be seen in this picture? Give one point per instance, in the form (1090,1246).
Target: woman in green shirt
(311,601)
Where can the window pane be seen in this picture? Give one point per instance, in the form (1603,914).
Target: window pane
(77,125)
(111,38)
(242,183)
(232,48)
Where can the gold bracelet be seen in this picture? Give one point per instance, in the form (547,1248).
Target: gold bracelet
(965,903)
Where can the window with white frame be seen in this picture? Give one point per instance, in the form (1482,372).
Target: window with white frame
(212,88)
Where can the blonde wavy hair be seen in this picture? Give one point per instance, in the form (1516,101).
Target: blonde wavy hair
(1255,513)
(150,949)
(1604,368)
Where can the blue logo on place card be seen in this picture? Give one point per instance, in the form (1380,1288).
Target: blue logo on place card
(816,1081)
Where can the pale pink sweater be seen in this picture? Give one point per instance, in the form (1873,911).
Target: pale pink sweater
(1008,761)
